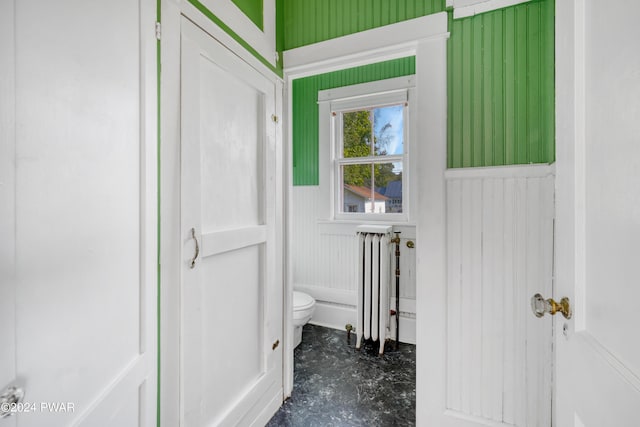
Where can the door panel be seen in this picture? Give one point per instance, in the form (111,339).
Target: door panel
(598,80)
(239,273)
(84,226)
(230,141)
(231,301)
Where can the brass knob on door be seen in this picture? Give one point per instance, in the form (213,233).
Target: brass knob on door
(540,306)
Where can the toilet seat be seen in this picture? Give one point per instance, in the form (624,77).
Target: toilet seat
(303,307)
(302,301)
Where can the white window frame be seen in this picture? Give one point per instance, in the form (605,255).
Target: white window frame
(400,90)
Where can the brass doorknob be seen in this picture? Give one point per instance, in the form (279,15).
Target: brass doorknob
(540,306)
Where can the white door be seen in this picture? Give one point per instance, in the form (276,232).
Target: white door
(598,213)
(231,298)
(77,216)
(7,204)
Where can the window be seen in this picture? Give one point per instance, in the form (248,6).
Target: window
(370,158)
(367,127)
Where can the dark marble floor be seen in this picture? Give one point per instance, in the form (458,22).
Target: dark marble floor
(335,385)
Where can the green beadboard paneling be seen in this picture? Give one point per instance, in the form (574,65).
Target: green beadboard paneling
(500,83)
(311,21)
(253,9)
(305,109)
(501,87)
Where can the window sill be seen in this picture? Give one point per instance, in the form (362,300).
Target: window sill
(363,218)
(348,226)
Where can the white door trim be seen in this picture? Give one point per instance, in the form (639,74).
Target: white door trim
(431,277)
(149,211)
(570,147)
(170,195)
(263,41)
(193,14)
(570,163)
(428,44)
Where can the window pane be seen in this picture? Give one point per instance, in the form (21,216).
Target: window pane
(357,175)
(385,125)
(388,183)
(389,130)
(372,188)
(357,133)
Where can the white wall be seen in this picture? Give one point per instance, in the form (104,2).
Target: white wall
(499,254)
(325,264)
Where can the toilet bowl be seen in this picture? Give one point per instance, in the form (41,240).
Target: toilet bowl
(303,307)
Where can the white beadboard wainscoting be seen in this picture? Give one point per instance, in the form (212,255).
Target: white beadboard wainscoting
(324,256)
(500,224)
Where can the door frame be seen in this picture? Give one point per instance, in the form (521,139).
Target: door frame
(169,404)
(570,230)
(426,39)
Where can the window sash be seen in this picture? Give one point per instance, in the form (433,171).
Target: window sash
(334,103)
(370,159)
(368,101)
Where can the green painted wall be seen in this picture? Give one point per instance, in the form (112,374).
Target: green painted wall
(501,87)
(253,9)
(305,109)
(311,21)
(500,77)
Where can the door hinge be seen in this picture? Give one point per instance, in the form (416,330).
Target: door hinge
(158,31)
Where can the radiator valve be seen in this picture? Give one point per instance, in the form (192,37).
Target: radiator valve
(349,328)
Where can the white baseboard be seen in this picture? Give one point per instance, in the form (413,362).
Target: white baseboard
(336,316)
(333,316)
(349,298)
(407,329)
(321,293)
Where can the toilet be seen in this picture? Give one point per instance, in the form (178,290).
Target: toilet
(303,307)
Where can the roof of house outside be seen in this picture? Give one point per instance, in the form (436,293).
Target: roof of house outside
(393,190)
(364,192)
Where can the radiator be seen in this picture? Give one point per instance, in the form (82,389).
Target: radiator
(373,284)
